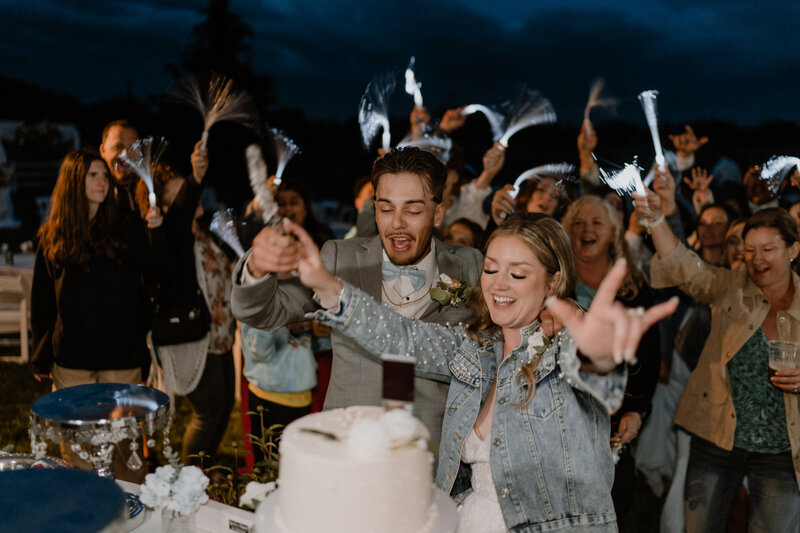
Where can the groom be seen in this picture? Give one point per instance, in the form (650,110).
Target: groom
(397,267)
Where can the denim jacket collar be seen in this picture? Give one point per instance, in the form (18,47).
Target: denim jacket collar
(469,368)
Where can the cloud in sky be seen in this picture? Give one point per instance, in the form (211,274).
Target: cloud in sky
(735,61)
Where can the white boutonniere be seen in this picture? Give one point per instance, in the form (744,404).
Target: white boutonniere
(448,291)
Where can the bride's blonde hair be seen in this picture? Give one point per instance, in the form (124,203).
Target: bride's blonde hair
(551,246)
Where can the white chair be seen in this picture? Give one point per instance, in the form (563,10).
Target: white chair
(14,314)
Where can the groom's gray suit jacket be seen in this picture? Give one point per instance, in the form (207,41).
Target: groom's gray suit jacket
(356,376)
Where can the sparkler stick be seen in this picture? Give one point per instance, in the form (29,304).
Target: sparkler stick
(596,100)
(257,170)
(373,111)
(142,157)
(223,225)
(648,100)
(285,149)
(412,85)
(496,120)
(221,102)
(438,146)
(550,168)
(530,109)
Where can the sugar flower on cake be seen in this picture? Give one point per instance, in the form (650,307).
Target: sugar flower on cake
(401,426)
(368,437)
(372,437)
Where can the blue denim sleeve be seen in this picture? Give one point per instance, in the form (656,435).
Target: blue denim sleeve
(608,389)
(379,330)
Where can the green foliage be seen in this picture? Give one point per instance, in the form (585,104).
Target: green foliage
(451,294)
(228,487)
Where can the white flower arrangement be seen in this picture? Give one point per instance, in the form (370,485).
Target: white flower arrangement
(175,487)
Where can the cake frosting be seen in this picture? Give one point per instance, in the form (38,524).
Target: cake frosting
(359,469)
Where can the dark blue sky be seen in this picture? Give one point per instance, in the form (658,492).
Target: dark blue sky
(737,60)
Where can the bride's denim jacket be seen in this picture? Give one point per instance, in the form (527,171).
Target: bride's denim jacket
(551,459)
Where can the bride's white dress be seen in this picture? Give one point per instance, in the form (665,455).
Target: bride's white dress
(480,512)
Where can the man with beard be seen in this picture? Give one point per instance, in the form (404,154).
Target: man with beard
(398,267)
(118,137)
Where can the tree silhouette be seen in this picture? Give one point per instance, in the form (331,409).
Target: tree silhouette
(221,44)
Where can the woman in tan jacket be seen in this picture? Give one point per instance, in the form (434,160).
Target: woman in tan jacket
(743,423)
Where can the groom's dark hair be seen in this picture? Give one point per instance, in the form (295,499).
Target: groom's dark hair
(412,160)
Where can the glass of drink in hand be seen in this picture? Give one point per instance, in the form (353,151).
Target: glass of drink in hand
(783,355)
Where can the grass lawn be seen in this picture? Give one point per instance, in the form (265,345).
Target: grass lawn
(20,390)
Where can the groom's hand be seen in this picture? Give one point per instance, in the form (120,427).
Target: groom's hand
(310,268)
(273,253)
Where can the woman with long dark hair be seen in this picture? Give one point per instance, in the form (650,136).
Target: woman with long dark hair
(88,311)
(88,306)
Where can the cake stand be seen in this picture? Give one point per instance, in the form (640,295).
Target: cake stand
(100,415)
(445,521)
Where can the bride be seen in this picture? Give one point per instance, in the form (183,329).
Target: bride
(524,439)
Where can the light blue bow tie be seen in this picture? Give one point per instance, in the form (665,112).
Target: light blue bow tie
(390,271)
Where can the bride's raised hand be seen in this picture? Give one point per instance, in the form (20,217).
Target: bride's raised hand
(310,268)
(609,333)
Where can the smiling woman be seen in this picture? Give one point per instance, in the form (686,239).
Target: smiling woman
(744,420)
(597,236)
(530,399)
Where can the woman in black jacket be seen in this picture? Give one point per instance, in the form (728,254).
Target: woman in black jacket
(88,309)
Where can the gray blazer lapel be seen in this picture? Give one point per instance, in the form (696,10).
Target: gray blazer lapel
(448,263)
(368,260)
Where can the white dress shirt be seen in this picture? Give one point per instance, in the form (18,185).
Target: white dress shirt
(400,295)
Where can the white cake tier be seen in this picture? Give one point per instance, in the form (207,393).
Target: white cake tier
(347,485)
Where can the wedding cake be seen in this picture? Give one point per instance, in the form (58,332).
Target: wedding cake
(359,469)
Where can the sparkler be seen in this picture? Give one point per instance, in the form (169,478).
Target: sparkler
(530,109)
(496,120)
(373,111)
(596,100)
(223,225)
(560,169)
(142,157)
(648,100)
(221,102)
(412,85)
(777,169)
(438,146)
(285,149)
(257,170)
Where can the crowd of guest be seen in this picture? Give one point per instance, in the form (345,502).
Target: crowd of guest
(113,272)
